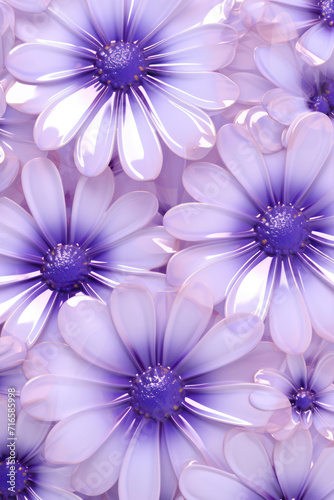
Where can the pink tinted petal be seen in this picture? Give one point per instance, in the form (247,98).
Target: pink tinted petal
(187,131)
(253,290)
(323,421)
(34,99)
(283,106)
(29,5)
(290,324)
(63,118)
(76,438)
(316,44)
(320,481)
(266,132)
(244,160)
(197,481)
(53,397)
(38,63)
(86,325)
(227,341)
(292,459)
(279,67)
(138,144)
(252,87)
(44,193)
(210,183)
(200,221)
(140,471)
(129,213)
(31,316)
(318,295)
(12,352)
(298,369)
(202,48)
(269,400)
(133,313)
(91,199)
(108,18)
(95,143)
(302,162)
(148,248)
(211,91)
(323,375)
(219,276)
(190,315)
(184,263)
(275,378)
(100,472)
(249,460)
(31,434)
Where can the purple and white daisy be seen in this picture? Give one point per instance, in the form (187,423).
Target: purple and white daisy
(142,407)
(282,20)
(266,230)
(285,471)
(42,262)
(144,69)
(24,474)
(300,88)
(309,389)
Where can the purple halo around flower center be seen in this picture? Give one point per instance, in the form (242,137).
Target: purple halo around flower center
(282,230)
(16,470)
(303,400)
(323,98)
(327,11)
(120,65)
(65,267)
(157,393)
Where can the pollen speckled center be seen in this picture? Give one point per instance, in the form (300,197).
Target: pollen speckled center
(157,393)
(282,230)
(327,11)
(120,65)
(303,400)
(65,268)
(14,475)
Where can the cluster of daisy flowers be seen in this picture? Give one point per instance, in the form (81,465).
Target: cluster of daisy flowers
(166,249)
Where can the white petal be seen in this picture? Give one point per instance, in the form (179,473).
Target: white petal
(133,312)
(86,325)
(227,341)
(290,324)
(43,190)
(140,473)
(95,143)
(138,144)
(190,315)
(91,200)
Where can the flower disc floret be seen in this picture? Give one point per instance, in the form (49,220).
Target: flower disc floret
(15,470)
(65,267)
(157,393)
(327,11)
(303,400)
(282,230)
(120,65)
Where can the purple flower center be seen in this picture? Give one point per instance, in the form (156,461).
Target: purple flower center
(157,393)
(282,230)
(120,65)
(14,476)
(303,400)
(65,267)
(323,99)
(327,11)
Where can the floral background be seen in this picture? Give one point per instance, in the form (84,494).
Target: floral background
(166,249)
